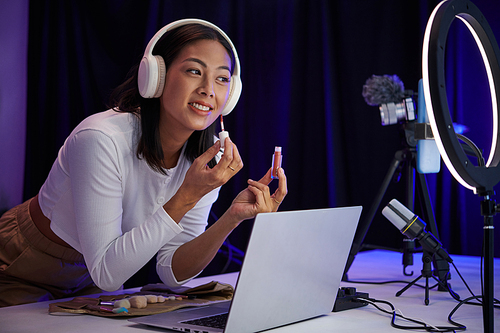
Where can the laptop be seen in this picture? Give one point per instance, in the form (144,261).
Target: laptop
(291,272)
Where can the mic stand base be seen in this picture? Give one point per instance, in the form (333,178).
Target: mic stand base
(426,273)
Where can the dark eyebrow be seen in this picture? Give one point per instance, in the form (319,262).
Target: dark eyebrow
(205,65)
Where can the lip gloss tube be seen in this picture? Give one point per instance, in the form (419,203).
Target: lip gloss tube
(222,134)
(222,137)
(276,163)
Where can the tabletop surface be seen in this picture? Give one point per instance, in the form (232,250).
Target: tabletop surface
(368,267)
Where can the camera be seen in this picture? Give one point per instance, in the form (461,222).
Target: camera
(396,104)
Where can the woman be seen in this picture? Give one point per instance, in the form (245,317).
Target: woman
(138,180)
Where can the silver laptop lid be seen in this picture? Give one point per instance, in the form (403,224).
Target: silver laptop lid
(292,268)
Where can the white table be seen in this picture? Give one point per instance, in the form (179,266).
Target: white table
(368,266)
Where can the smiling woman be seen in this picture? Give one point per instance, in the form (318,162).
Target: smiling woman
(138,180)
(150,76)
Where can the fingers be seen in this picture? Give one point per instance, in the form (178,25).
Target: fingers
(260,189)
(201,175)
(231,160)
(266,180)
(237,163)
(210,153)
(282,189)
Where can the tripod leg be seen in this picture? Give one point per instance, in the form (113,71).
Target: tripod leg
(427,273)
(399,293)
(409,244)
(426,301)
(424,194)
(366,221)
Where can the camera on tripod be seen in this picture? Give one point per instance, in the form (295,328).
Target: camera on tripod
(396,104)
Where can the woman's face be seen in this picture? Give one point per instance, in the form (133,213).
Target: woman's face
(196,87)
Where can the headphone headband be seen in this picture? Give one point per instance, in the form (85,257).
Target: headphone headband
(151,76)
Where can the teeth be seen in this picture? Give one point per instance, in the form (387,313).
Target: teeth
(200,107)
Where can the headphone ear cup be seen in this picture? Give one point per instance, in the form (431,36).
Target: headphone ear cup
(234,95)
(151,76)
(147,69)
(161,76)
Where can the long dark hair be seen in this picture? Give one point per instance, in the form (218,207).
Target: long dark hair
(126,98)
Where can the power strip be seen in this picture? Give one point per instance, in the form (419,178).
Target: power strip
(345,299)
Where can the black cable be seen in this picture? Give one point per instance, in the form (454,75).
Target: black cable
(453,294)
(232,251)
(475,149)
(459,305)
(462,278)
(388,282)
(421,325)
(232,254)
(466,301)
(478,298)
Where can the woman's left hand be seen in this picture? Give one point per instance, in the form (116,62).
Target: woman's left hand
(256,198)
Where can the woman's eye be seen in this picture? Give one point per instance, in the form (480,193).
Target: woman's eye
(223,79)
(194,71)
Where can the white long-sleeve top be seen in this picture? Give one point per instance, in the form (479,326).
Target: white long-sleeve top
(108,204)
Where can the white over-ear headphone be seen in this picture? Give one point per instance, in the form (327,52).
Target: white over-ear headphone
(151,76)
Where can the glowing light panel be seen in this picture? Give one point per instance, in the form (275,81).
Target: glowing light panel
(475,178)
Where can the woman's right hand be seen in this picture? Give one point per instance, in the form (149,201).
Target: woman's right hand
(200,179)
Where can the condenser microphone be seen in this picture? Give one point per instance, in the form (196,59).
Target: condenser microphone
(412,227)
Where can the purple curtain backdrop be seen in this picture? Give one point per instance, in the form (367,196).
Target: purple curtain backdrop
(13,86)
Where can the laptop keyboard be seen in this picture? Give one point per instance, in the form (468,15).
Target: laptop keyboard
(216,321)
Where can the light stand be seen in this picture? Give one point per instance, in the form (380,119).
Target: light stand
(480,179)
(488,209)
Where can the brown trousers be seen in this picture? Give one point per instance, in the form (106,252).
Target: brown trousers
(33,268)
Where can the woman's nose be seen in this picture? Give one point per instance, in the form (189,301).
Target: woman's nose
(206,89)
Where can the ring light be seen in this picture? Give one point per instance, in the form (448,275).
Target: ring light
(477,178)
